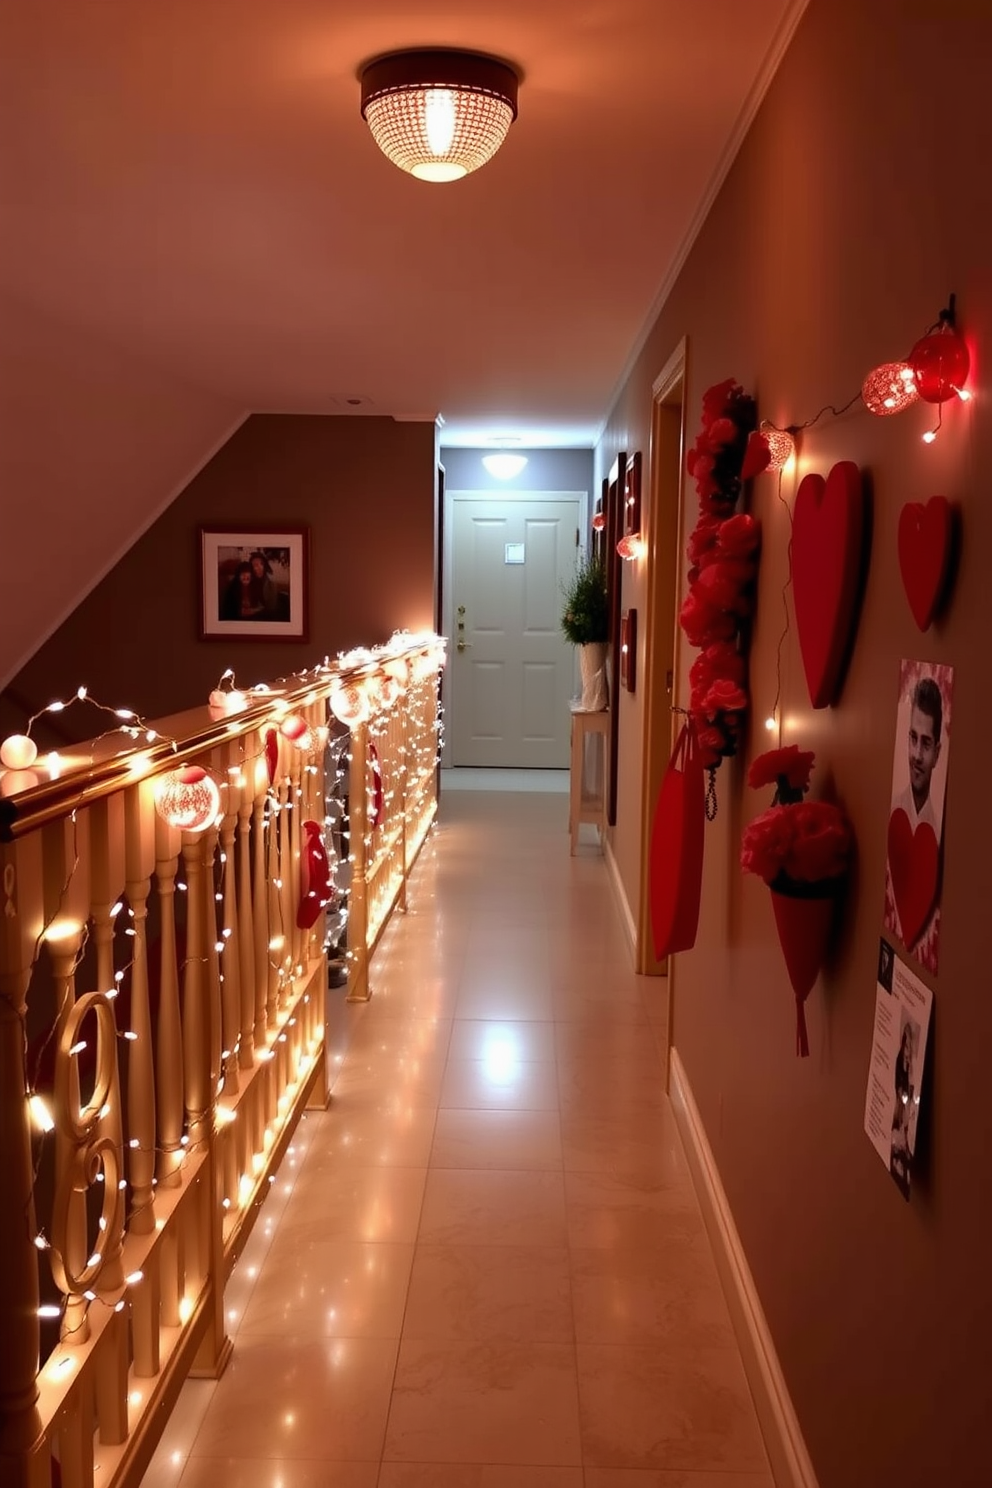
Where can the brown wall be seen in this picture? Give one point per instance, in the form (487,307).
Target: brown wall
(365,487)
(860,199)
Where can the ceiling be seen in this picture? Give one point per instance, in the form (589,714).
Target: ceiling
(192,184)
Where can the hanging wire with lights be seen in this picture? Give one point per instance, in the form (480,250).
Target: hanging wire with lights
(439,114)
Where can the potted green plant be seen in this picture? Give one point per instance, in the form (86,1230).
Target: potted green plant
(585,622)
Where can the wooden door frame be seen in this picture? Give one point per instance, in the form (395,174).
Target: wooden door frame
(662,634)
(613,506)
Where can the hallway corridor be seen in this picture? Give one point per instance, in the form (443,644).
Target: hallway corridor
(484,1266)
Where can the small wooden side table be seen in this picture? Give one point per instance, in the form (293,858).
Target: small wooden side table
(584,806)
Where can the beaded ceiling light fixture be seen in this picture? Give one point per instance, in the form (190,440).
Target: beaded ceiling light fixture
(439,114)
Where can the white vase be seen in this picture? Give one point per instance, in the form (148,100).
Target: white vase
(592,669)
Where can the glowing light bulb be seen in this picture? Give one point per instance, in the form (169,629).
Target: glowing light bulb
(631,547)
(770,724)
(18,752)
(40,1114)
(439,119)
(930,436)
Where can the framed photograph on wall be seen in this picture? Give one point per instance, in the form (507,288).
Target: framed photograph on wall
(254,583)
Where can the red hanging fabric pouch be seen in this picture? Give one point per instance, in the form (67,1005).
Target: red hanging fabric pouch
(676,861)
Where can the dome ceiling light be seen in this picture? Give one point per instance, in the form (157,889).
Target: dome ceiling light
(439,114)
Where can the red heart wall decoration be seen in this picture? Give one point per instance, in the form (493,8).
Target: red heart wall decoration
(925,552)
(913,859)
(827,537)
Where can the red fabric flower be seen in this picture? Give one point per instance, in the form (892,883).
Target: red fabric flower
(821,842)
(703,623)
(766,842)
(720,432)
(725,585)
(738,537)
(723,696)
(703,465)
(793,763)
(702,540)
(721,659)
(807,841)
(711,743)
(716,398)
(726,660)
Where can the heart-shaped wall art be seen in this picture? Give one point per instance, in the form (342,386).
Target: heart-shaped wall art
(925,553)
(828,528)
(913,862)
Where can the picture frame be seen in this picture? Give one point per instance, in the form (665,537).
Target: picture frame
(254,583)
(628,650)
(632,496)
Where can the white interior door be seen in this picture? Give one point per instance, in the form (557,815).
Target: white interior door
(510,670)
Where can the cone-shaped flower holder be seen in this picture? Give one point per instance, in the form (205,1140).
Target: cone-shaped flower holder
(804,916)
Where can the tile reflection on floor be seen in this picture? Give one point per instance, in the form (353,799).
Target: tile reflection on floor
(484,1265)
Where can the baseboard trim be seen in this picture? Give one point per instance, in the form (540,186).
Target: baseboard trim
(790,1461)
(620,898)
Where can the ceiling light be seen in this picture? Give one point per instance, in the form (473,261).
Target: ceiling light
(438,114)
(504,467)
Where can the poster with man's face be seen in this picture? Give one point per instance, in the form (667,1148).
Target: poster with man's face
(916,811)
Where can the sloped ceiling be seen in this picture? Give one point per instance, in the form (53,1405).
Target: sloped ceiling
(197,225)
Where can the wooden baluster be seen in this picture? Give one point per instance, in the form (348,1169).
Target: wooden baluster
(69,1241)
(21,923)
(260,915)
(169,1039)
(65,856)
(215,1348)
(76,1440)
(139,858)
(212,941)
(230,987)
(111,1381)
(106,821)
(294,874)
(277,938)
(288,817)
(358,925)
(197,1090)
(146,1310)
(246,926)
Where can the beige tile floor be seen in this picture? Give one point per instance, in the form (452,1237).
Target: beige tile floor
(484,1266)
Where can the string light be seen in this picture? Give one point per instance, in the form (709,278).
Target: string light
(413,765)
(935,370)
(19,751)
(781,447)
(631,547)
(889,389)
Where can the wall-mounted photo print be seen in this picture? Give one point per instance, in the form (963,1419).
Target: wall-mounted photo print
(895,1073)
(916,812)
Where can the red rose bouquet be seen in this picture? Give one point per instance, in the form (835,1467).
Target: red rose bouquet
(798,847)
(802,850)
(723,564)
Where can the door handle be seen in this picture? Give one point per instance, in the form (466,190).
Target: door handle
(463,645)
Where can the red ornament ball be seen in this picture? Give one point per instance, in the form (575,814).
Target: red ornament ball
(940,364)
(188,799)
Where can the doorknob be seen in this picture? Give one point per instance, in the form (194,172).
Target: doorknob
(463,645)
